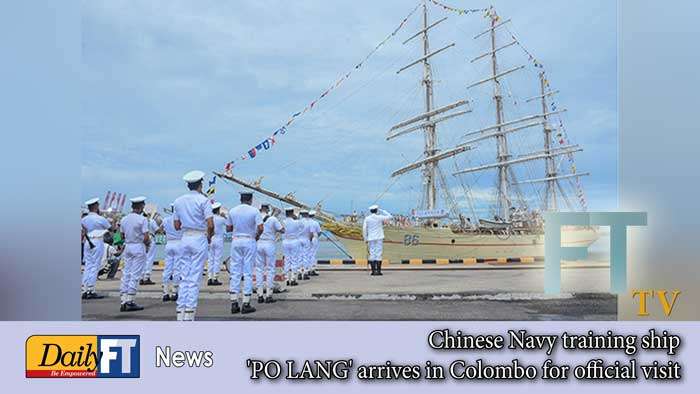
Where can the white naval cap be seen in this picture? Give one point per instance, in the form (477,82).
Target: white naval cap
(312,213)
(92,201)
(373,207)
(193,176)
(216,205)
(137,199)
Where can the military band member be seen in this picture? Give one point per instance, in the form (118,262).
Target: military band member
(373,234)
(193,215)
(94,228)
(316,228)
(136,243)
(151,254)
(216,248)
(291,246)
(267,255)
(173,259)
(305,248)
(246,224)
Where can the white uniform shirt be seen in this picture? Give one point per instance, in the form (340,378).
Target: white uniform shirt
(245,221)
(219,226)
(93,221)
(169,227)
(292,228)
(192,210)
(373,226)
(134,226)
(307,229)
(271,227)
(315,227)
(152,226)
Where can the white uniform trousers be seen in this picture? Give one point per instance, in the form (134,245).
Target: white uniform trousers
(304,254)
(194,252)
(265,266)
(216,251)
(134,259)
(314,252)
(291,248)
(375,249)
(243,251)
(150,257)
(92,258)
(173,266)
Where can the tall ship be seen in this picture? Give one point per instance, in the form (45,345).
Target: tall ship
(446,226)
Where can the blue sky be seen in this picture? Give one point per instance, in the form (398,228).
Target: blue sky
(178,85)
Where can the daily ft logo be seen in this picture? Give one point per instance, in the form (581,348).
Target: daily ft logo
(82,356)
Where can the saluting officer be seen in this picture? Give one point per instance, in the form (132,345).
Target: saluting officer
(267,254)
(216,248)
(173,259)
(193,215)
(137,241)
(291,246)
(373,234)
(247,225)
(151,254)
(316,229)
(94,228)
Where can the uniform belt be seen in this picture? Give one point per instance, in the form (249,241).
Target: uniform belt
(291,239)
(133,243)
(174,239)
(192,232)
(242,236)
(100,238)
(265,239)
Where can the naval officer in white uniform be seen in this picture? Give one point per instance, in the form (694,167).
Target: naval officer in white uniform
(216,248)
(151,254)
(267,255)
(137,241)
(291,246)
(193,215)
(246,224)
(316,228)
(94,228)
(305,248)
(173,259)
(373,234)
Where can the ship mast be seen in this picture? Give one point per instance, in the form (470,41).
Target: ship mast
(550,196)
(429,130)
(501,140)
(428,120)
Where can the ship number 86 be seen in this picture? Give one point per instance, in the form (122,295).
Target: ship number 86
(411,239)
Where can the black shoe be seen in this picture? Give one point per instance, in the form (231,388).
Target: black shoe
(173,297)
(373,266)
(210,282)
(235,308)
(148,281)
(276,291)
(261,300)
(216,282)
(270,300)
(305,277)
(122,308)
(299,276)
(379,267)
(166,297)
(294,283)
(131,306)
(84,295)
(288,283)
(247,308)
(314,273)
(94,296)
(142,282)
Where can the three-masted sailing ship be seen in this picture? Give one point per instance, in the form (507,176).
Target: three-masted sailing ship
(437,233)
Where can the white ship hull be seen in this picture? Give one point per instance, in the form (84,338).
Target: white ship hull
(441,243)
